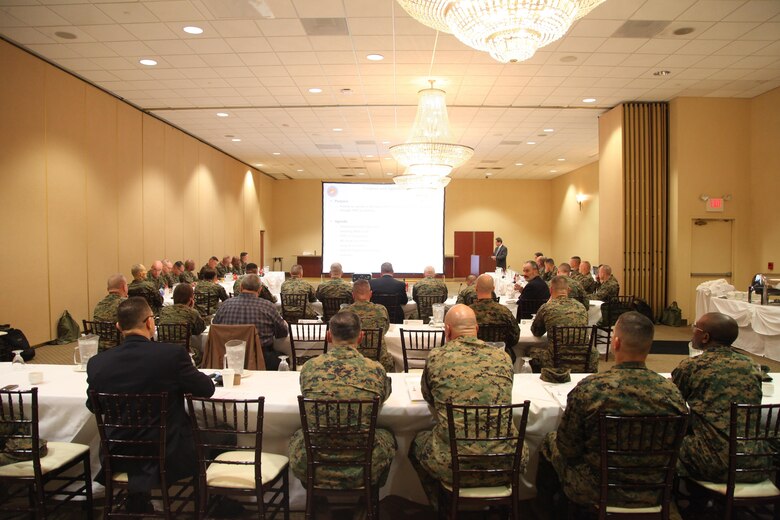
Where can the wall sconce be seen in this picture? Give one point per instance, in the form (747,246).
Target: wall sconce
(580,199)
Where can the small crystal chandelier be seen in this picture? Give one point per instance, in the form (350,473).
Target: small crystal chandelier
(428,154)
(510,30)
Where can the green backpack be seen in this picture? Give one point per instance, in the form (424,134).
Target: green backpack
(68,330)
(672,316)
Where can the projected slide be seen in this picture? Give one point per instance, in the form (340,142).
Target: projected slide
(364,225)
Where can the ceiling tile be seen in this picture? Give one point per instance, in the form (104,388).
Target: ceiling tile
(128,13)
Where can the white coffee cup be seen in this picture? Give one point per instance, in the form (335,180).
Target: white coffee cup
(228,377)
(35,378)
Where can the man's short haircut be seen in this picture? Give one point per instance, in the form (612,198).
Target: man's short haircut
(361,286)
(189,263)
(137,269)
(564,268)
(470,278)
(214,258)
(243,254)
(344,327)
(498,239)
(251,266)
(606,268)
(722,328)
(179,264)
(485,283)
(429,270)
(386,267)
(549,261)
(538,253)
(534,265)
(250,282)
(296,270)
(577,258)
(559,283)
(132,312)
(209,274)
(182,293)
(635,331)
(585,262)
(335,268)
(116,281)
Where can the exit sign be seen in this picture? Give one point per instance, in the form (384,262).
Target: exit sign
(714,204)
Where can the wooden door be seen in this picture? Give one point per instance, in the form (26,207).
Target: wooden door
(464,245)
(708,236)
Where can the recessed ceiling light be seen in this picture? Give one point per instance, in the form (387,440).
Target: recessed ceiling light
(488,174)
(276,153)
(236,140)
(369,155)
(258,164)
(389,173)
(298,170)
(568,59)
(65,35)
(337,129)
(361,173)
(662,73)
(346,91)
(589,100)
(148,62)
(191,29)
(375,57)
(553,171)
(315,90)
(683,30)
(549,130)
(561,159)
(222,114)
(531,142)
(518,164)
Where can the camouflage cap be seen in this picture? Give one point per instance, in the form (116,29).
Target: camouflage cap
(556,375)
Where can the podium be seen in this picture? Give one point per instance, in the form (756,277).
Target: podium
(482,264)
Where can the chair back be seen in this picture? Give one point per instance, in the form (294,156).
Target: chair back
(491,427)
(178,333)
(307,341)
(572,347)
(417,344)
(638,454)
(152,297)
(371,345)
(338,434)
(390,302)
(109,334)
(214,352)
(206,303)
(603,336)
(294,306)
(494,333)
(425,305)
(526,308)
(19,426)
(614,307)
(331,305)
(757,425)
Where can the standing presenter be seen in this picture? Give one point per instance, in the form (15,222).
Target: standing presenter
(499,255)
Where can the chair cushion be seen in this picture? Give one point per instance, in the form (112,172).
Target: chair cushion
(633,510)
(59,454)
(743,489)
(482,492)
(242,476)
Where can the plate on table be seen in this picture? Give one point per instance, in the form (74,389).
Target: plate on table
(79,368)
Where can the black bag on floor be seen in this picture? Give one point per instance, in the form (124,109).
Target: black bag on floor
(14,339)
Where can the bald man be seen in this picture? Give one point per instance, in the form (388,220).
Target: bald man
(105,310)
(570,456)
(429,285)
(297,285)
(710,383)
(608,287)
(336,287)
(490,312)
(467,371)
(588,283)
(140,286)
(155,275)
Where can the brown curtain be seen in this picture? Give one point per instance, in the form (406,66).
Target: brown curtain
(646,170)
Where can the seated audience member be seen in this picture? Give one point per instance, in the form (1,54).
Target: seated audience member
(248,308)
(386,284)
(343,373)
(586,278)
(710,383)
(139,365)
(243,259)
(372,316)
(608,287)
(225,267)
(105,310)
(468,294)
(490,312)
(539,258)
(177,269)
(235,264)
(549,270)
(559,311)
(183,311)
(534,292)
(265,293)
(188,275)
(167,274)
(466,371)
(209,285)
(336,287)
(145,289)
(297,285)
(429,285)
(211,264)
(155,275)
(570,457)
(574,263)
(575,287)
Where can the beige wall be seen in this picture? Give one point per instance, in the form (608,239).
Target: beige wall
(92,185)
(765,180)
(611,209)
(575,231)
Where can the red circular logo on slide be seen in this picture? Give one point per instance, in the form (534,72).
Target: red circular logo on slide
(332,191)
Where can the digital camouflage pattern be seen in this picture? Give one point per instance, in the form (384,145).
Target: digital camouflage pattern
(242,269)
(374,316)
(299,286)
(158,282)
(105,310)
(607,290)
(710,383)
(577,292)
(548,276)
(207,287)
(265,293)
(343,373)
(588,283)
(147,291)
(466,371)
(334,288)
(223,270)
(468,295)
(490,312)
(180,313)
(429,286)
(18,449)
(188,277)
(626,389)
(560,312)
(170,279)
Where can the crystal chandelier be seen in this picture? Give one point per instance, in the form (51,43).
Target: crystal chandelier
(510,30)
(428,154)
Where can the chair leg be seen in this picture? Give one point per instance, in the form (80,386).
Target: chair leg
(89,502)
(286,494)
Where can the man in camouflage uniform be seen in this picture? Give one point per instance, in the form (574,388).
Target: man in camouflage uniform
(372,316)
(710,383)
(574,263)
(242,259)
(297,285)
(429,285)
(560,311)
(343,373)
(468,294)
(225,267)
(571,456)
(167,274)
(586,278)
(209,286)
(211,264)
(466,371)
(490,312)
(176,271)
(265,293)
(154,276)
(105,310)
(575,287)
(140,286)
(608,287)
(549,271)
(182,311)
(188,275)
(336,287)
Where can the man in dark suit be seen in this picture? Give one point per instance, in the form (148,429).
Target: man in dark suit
(140,366)
(499,255)
(387,285)
(535,292)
